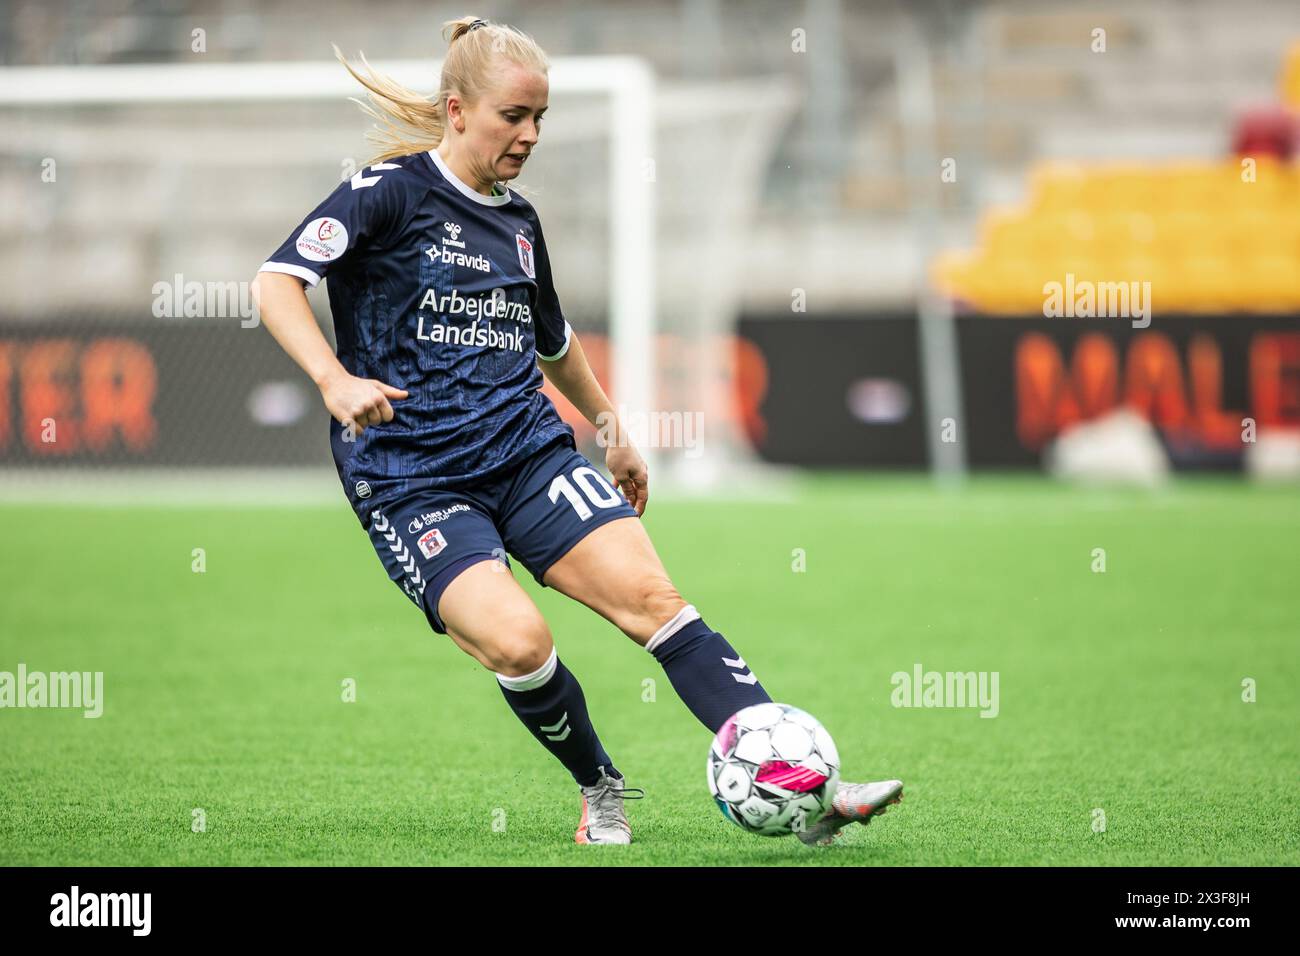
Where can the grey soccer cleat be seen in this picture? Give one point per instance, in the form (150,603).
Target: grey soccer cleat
(603,819)
(853,803)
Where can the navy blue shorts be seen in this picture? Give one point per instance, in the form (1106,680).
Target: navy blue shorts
(536,511)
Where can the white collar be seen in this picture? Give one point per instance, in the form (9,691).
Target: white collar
(469,192)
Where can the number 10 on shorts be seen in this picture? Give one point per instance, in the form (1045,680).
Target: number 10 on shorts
(597,490)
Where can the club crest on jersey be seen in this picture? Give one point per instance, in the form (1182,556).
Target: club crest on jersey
(322,240)
(525,255)
(431,542)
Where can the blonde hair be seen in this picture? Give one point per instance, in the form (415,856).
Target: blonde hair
(413,123)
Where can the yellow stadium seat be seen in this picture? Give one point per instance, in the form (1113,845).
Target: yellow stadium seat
(1122,234)
(1193,187)
(1054,186)
(1119,188)
(1201,235)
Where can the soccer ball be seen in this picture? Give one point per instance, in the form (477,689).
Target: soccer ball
(773,769)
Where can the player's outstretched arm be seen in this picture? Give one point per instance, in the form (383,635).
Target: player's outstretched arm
(287,315)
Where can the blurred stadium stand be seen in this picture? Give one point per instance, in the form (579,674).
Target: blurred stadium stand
(1016,84)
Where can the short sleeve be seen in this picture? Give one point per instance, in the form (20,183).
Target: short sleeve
(552,329)
(363,213)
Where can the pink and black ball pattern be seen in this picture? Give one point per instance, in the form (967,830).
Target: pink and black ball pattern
(773,769)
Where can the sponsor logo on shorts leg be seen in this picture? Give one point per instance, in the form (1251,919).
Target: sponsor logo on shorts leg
(433,517)
(431,543)
(363,489)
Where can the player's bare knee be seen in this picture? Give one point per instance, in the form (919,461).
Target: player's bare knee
(654,604)
(662,601)
(523,649)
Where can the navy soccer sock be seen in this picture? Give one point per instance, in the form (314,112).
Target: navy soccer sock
(550,703)
(709,676)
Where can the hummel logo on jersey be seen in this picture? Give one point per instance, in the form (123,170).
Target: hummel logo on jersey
(739,662)
(552,732)
(454,230)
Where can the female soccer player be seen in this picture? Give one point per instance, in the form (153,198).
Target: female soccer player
(451,456)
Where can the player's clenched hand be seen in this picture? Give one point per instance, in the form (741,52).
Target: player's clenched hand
(629,471)
(359,401)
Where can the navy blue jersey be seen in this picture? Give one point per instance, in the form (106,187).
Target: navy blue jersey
(444,292)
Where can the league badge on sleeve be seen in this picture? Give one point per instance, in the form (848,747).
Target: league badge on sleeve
(525,255)
(322,240)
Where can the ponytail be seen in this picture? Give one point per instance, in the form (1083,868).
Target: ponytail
(412,123)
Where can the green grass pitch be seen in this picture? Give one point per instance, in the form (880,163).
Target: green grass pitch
(1120,692)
